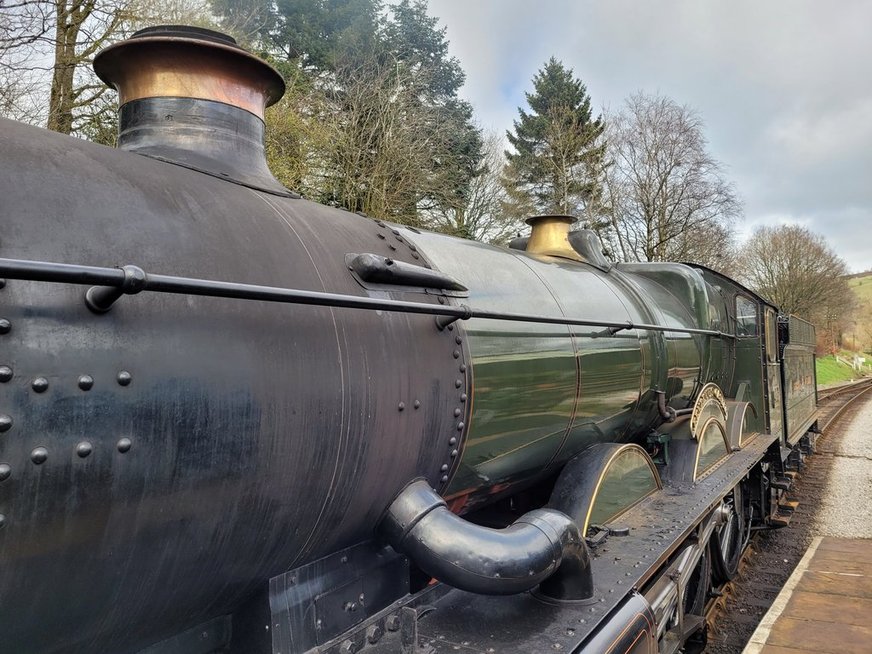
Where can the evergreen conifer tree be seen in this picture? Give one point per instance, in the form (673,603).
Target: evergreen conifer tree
(558,158)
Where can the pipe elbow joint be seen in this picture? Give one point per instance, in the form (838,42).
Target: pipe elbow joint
(541,548)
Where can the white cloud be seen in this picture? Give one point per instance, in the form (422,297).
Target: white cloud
(783,87)
(813,139)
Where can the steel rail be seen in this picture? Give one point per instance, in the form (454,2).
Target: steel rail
(109,284)
(831,393)
(838,412)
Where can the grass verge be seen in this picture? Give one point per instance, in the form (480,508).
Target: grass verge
(830,371)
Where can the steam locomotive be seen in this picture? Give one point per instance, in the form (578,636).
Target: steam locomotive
(235,420)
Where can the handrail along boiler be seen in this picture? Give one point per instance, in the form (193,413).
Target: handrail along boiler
(235,420)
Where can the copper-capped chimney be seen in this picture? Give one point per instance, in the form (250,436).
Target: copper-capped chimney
(193,97)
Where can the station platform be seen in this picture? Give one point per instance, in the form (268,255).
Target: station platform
(826,604)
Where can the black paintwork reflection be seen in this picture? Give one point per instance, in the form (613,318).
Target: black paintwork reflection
(261,435)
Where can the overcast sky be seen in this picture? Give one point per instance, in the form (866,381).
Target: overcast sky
(784,88)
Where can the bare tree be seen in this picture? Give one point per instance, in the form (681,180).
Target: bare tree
(47,46)
(59,38)
(19,93)
(373,156)
(864,326)
(797,271)
(667,196)
(21,74)
(299,137)
(382,142)
(478,214)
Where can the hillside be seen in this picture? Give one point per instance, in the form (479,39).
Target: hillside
(861,283)
(861,334)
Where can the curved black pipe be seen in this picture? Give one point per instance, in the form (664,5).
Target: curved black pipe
(541,547)
(666,412)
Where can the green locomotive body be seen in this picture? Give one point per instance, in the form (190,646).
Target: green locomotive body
(440,446)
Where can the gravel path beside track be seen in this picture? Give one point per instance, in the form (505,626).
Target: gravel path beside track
(835,499)
(845,508)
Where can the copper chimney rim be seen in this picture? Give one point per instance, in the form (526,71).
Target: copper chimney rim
(187,62)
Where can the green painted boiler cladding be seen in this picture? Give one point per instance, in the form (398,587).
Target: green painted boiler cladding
(542,393)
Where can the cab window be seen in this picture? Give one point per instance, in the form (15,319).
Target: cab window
(746,316)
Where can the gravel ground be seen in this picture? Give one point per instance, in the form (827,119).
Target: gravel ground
(835,495)
(845,508)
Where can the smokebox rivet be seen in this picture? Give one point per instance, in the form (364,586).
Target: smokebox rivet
(460,426)
(444,467)
(444,478)
(463,397)
(417,404)
(39,455)
(124,378)
(441,299)
(458,340)
(5,374)
(401,406)
(2,283)
(458,383)
(83,449)
(124,445)
(462,367)
(40,385)
(415,255)
(452,441)
(381,236)
(2,520)
(86,382)
(453,453)
(392,248)
(457,413)
(456,354)
(5,471)
(5,326)
(5,422)
(451,328)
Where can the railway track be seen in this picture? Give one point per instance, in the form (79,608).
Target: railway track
(772,555)
(833,403)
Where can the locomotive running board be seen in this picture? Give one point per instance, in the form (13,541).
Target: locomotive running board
(449,620)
